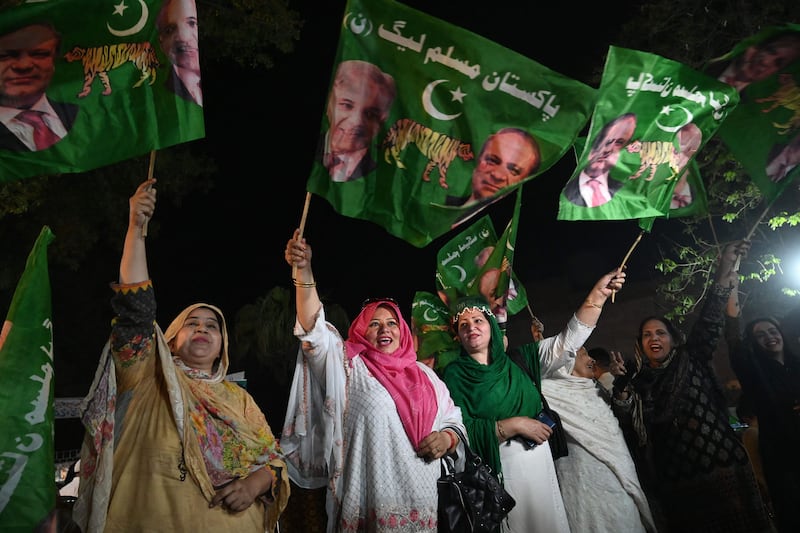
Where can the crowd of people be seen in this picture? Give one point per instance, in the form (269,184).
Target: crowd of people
(650,447)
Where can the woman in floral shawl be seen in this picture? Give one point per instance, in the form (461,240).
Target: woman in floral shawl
(170,444)
(500,403)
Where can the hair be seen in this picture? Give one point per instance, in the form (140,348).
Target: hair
(600,355)
(601,135)
(527,137)
(750,339)
(356,70)
(161,17)
(676,334)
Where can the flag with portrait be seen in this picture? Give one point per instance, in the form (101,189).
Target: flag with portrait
(404,159)
(652,116)
(763,132)
(110,90)
(27,449)
(477,262)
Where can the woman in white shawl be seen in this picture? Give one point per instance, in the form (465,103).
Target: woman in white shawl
(598,480)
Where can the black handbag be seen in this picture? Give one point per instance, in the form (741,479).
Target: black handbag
(472,501)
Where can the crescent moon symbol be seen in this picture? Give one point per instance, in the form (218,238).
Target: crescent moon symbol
(136,28)
(462,274)
(428,318)
(673,129)
(428,104)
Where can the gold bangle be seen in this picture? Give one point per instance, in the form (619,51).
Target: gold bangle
(303,284)
(500,431)
(592,304)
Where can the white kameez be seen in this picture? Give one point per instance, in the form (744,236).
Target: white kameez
(599,484)
(530,477)
(342,430)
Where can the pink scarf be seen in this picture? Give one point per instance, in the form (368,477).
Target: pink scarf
(398,372)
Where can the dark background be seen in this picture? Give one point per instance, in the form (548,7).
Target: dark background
(226,247)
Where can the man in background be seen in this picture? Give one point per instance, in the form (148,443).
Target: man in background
(29,120)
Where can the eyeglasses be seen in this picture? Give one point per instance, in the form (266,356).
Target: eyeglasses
(378,300)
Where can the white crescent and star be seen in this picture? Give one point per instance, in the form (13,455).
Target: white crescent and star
(666,110)
(430,318)
(427,104)
(136,28)
(461,272)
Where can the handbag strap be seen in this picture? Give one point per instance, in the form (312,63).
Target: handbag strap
(469,455)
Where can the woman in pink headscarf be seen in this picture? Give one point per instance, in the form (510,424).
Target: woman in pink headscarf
(365,418)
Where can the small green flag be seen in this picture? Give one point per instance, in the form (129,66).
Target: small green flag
(113,93)
(412,101)
(763,132)
(652,116)
(27,468)
(430,322)
(476,262)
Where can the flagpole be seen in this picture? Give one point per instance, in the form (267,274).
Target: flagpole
(750,234)
(150,170)
(302,227)
(625,260)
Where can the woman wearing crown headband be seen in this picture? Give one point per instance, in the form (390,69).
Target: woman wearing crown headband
(500,403)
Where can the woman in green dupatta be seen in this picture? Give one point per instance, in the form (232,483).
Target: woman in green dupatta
(499,403)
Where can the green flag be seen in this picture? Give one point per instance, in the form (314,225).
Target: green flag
(476,262)
(495,279)
(430,322)
(96,74)
(763,132)
(413,99)
(27,468)
(652,116)
(689,197)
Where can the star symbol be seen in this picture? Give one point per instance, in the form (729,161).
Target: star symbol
(458,96)
(120,8)
(666,110)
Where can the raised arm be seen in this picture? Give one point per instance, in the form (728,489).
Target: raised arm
(133,265)
(298,255)
(589,311)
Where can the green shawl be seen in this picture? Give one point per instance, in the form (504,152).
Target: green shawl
(488,393)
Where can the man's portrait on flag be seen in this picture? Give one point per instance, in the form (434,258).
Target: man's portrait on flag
(178,36)
(783,158)
(29,119)
(690,137)
(593,186)
(762,59)
(359,102)
(507,156)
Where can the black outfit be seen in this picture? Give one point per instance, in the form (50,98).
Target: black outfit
(774,389)
(690,461)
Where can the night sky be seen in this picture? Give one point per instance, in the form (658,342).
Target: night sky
(226,247)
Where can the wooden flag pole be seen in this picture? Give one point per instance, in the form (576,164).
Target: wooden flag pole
(302,227)
(150,170)
(625,260)
(750,235)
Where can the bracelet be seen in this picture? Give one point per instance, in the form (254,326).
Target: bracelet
(592,304)
(500,431)
(453,441)
(303,284)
